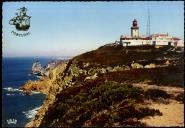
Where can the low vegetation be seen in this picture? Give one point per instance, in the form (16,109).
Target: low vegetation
(155,94)
(169,76)
(98,103)
(118,55)
(110,99)
(180,97)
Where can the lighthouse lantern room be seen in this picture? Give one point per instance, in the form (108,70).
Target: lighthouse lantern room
(135,29)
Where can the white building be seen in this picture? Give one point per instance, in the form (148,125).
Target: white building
(154,39)
(180,43)
(130,41)
(164,39)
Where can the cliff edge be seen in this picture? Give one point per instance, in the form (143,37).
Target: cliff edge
(112,86)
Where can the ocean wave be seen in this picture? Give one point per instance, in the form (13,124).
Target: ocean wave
(10,94)
(31,113)
(32,93)
(10,89)
(30,74)
(35,92)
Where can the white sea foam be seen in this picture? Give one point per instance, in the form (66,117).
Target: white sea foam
(10,89)
(31,113)
(35,92)
(10,94)
(29,74)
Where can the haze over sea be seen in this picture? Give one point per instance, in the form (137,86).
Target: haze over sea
(15,104)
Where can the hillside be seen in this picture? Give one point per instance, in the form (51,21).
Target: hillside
(118,55)
(113,86)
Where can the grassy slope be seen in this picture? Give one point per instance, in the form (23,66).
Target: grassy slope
(98,103)
(118,55)
(111,100)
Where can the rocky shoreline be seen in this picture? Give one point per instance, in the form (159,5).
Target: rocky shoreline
(79,71)
(43,84)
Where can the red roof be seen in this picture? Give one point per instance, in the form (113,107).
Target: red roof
(160,34)
(174,38)
(147,38)
(131,38)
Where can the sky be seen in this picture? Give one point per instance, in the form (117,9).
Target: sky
(72,28)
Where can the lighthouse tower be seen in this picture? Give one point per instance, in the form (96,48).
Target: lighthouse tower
(134,29)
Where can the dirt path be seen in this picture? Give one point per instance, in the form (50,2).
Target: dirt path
(173,115)
(169,90)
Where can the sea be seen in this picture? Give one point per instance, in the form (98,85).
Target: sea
(18,108)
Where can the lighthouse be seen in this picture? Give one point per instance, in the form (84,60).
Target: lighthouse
(155,39)
(135,29)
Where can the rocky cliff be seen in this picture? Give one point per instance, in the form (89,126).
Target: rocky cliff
(98,88)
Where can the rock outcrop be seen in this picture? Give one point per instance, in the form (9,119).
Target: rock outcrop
(44,84)
(36,67)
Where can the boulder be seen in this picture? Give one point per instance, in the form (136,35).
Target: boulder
(136,65)
(125,67)
(117,68)
(109,69)
(167,62)
(91,77)
(150,66)
(86,64)
(103,70)
(91,71)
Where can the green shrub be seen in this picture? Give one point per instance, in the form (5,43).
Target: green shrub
(154,94)
(76,105)
(85,116)
(180,97)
